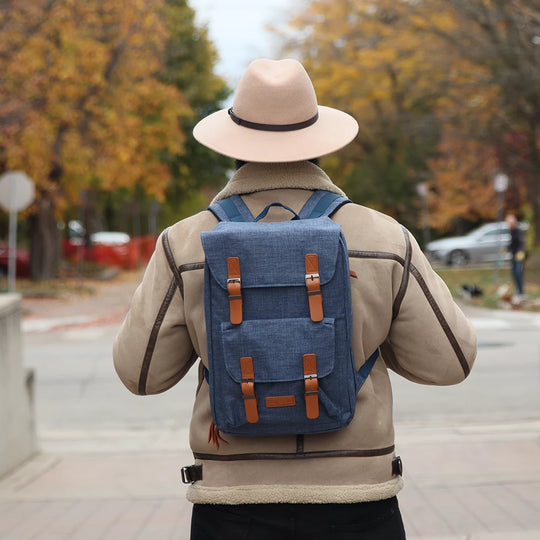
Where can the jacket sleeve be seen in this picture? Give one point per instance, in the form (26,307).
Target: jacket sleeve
(430,340)
(153,350)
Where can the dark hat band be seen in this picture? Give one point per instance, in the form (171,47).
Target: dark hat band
(272,127)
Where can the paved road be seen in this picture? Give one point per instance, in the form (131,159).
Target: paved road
(503,385)
(110,460)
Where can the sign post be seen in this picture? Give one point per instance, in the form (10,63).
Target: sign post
(422,189)
(16,193)
(500,183)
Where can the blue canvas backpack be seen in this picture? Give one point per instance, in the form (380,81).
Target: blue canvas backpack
(279,320)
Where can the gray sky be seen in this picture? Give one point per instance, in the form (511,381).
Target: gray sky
(237,28)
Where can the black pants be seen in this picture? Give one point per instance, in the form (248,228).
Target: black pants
(379,520)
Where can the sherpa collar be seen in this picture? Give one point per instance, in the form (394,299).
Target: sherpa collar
(253,177)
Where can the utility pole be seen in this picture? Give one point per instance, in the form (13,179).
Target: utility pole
(500,183)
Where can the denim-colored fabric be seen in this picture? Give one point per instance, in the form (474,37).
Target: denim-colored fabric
(276,330)
(517,274)
(273,252)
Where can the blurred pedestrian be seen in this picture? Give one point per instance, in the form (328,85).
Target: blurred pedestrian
(517,248)
(333,485)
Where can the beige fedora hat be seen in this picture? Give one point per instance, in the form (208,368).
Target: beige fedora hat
(275,118)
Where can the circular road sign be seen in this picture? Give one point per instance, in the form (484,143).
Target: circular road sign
(16,191)
(500,182)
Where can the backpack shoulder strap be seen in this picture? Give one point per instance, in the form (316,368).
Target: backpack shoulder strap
(232,208)
(322,203)
(363,373)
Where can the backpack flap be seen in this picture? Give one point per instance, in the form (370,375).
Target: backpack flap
(283,245)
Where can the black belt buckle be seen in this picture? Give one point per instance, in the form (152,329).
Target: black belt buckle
(397,466)
(191,473)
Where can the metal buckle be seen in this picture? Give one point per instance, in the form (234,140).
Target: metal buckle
(397,466)
(312,276)
(191,473)
(185,475)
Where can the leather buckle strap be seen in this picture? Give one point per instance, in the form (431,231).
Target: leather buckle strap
(248,389)
(234,288)
(192,473)
(311,385)
(397,466)
(313,285)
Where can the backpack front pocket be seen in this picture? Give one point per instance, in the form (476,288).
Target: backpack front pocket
(280,376)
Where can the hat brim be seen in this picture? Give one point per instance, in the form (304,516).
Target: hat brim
(333,130)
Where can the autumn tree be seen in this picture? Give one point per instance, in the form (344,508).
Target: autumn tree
(365,58)
(189,66)
(500,42)
(82,104)
(462,186)
(190,60)
(439,89)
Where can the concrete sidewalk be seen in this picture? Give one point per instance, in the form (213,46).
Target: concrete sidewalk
(478,481)
(461,482)
(107,305)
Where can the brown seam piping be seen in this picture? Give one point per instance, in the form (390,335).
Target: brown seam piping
(176,282)
(405,276)
(434,306)
(153,337)
(304,455)
(186,268)
(390,257)
(191,266)
(442,321)
(377,255)
(171,261)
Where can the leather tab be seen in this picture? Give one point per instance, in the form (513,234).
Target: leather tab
(234,288)
(313,285)
(248,389)
(280,401)
(311,383)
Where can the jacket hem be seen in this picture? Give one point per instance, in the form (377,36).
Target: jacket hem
(294,494)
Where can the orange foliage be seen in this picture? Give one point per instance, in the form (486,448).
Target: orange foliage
(80,93)
(463,182)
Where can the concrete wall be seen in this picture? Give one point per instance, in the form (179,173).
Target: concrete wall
(17,428)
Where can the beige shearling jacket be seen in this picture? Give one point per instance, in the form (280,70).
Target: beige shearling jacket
(399,303)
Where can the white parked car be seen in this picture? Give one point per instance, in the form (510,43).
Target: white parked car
(484,244)
(109,238)
(104,238)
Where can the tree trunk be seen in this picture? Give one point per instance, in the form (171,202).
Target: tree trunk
(45,251)
(534,178)
(536,217)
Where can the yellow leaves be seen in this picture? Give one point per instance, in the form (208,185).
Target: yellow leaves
(373,59)
(29,150)
(400,68)
(82,83)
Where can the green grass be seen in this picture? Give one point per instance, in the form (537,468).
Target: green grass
(78,279)
(83,280)
(489,281)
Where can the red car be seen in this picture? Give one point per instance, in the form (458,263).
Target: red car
(22,261)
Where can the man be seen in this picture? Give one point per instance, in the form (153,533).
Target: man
(517,249)
(330,485)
